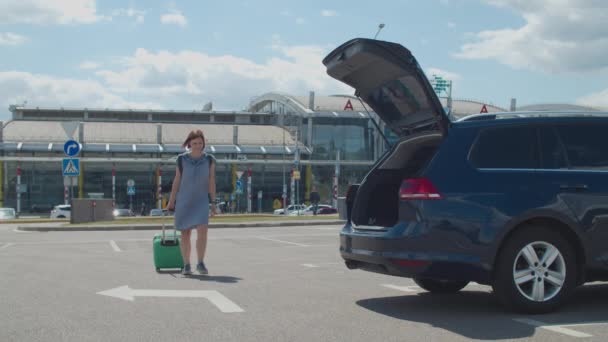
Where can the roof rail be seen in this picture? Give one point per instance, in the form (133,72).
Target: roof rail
(531,114)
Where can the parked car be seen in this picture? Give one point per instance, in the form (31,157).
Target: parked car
(327,211)
(61,211)
(122,213)
(308,210)
(7,214)
(156,212)
(290,208)
(517,201)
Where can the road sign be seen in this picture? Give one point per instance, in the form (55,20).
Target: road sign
(221,302)
(130,183)
(71,148)
(296,175)
(131,191)
(239,174)
(239,186)
(71,167)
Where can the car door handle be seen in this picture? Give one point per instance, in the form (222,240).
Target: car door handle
(574,187)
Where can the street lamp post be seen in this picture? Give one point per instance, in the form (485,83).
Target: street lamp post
(283,163)
(380,27)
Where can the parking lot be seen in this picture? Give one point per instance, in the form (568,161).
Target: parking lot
(265,284)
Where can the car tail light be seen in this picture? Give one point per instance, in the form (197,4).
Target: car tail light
(418,189)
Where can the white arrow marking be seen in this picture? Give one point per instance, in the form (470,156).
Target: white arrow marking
(216,298)
(6,245)
(310,265)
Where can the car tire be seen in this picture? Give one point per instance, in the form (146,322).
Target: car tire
(61,216)
(536,271)
(441,286)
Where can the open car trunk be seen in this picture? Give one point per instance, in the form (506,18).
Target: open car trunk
(376,203)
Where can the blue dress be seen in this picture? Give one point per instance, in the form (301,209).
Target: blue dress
(192,199)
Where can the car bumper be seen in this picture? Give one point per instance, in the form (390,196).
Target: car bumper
(393,252)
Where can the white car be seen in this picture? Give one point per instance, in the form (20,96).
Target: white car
(308,210)
(290,208)
(7,214)
(61,211)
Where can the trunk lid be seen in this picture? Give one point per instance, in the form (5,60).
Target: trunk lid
(387,77)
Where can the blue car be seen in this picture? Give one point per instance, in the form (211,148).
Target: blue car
(517,201)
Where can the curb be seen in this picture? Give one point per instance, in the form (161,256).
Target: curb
(159,227)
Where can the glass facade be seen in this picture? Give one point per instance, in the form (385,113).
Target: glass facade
(42,182)
(352,137)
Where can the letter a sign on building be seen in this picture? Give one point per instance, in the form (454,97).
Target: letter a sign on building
(348,106)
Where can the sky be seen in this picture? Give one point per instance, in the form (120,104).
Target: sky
(180,55)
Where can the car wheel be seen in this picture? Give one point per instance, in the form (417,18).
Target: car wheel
(441,286)
(60,216)
(535,271)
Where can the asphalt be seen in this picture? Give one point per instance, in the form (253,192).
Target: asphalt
(48,227)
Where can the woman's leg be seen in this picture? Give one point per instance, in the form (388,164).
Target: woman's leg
(186,245)
(201,241)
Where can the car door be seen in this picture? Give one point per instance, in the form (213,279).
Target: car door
(575,169)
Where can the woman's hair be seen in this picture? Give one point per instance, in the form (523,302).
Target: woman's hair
(193,135)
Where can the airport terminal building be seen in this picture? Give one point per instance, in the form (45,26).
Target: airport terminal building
(331,140)
(263,145)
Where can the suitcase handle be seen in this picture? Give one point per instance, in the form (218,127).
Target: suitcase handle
(175,229)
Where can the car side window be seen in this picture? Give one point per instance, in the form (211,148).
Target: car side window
(585,145)
(505,148)
(552,152)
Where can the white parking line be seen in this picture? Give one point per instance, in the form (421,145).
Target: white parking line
(22,231)
(114,246)
(402,288)
(282,241)
(321,264)
(6,245)
(555,328)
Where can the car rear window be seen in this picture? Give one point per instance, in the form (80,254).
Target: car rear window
(585,145)
(505,148)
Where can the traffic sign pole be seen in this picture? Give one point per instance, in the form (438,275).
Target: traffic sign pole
(18,189)
(113,186)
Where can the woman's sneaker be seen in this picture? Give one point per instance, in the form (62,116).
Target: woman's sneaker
(186,270)
(200,267)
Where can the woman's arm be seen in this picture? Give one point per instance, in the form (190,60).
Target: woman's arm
(212,187)
(174,189)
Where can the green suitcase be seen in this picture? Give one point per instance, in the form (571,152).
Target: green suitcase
(166,248)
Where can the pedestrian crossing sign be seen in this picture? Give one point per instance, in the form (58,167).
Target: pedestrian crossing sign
(71,167)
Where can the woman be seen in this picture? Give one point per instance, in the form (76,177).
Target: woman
(193,188)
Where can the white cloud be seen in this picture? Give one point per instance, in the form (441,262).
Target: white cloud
(8,38)
(443,73)
(174,18)
(48,12)
(597,100)
(45,90)
(328,13)
(558,36)
(137,15)
(451,24)
(186,77)
(300,21)
(89,65)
